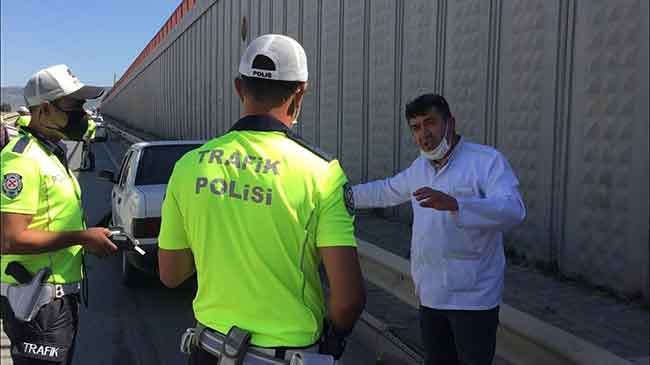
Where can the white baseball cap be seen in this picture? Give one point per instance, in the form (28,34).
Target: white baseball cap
(55,82)
(289,61)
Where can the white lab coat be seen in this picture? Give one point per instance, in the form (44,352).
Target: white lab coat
(457,258)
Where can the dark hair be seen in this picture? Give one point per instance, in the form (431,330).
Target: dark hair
(424,103)
(270,93)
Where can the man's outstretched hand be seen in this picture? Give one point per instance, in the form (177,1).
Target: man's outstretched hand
(435,199)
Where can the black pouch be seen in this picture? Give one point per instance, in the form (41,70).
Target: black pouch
(235,346)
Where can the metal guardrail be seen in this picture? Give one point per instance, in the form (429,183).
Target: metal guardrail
(9,120)
(126,135)
(522,338)
(5,117)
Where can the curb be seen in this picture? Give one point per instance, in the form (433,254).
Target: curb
(390,350)
(522,338)
(5,348)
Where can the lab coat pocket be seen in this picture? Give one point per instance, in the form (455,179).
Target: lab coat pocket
(460,272)
(469,239)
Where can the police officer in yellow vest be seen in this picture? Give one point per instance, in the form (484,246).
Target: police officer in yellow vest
(254,213)
(87,154)
(90,132)
(43,233)
(24,117)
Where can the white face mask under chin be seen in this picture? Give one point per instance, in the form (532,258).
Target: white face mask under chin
(294,126)
(439,152)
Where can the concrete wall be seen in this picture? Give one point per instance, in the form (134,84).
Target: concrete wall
(560,86)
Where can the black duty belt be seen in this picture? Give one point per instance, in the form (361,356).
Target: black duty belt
(234,349)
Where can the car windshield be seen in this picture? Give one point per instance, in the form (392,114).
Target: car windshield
(157,163)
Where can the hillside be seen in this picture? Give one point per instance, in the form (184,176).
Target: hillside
(14,96)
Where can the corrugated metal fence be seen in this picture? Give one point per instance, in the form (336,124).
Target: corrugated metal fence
(561,87)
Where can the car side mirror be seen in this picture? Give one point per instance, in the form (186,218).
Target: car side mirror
(107,175)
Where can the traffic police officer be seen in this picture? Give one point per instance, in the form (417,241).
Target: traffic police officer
(23,118)
(87,155)
(253,213)
(90,132)
(42,219)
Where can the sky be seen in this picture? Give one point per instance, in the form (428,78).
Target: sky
(94,38)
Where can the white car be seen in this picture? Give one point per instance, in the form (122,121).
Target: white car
(137,195)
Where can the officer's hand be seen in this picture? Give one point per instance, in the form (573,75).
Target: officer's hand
(435,199)
(96,241)
(331,343)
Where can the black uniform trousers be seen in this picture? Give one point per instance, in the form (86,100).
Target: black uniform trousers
(459,337)
(201,357)
(87,156)
(49,338)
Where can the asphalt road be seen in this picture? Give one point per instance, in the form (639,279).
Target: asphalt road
(137,325)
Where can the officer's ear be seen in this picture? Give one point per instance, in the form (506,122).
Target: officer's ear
(300,92)
(239,89)
(296,101)
(39,112)
(303,87)
(46,109)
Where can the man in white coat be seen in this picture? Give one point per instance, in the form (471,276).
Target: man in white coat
(464,197)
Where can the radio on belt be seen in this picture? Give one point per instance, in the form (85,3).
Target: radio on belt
(125,242)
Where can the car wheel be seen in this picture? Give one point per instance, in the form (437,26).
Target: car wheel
(130,277)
